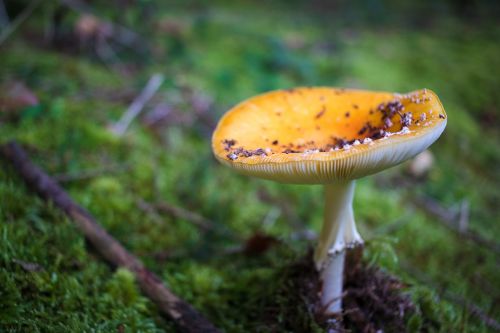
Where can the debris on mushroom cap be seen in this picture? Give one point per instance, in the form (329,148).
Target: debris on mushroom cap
(228,144)
(406,119)
(387,110)
(232,156)
(278,136)
(241,152)
(321,113)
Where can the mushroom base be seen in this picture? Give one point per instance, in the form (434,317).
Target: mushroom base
(332,282)
(338,233)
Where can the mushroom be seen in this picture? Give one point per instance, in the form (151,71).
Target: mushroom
(328,136)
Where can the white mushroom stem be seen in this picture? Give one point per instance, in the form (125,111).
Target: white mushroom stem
(338,233)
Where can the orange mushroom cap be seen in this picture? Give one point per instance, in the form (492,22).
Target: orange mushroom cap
(326,135)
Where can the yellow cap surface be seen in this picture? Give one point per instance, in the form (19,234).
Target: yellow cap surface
(326,135)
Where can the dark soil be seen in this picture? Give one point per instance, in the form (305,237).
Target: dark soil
(373,300)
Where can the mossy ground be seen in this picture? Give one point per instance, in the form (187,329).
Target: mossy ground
(225,53)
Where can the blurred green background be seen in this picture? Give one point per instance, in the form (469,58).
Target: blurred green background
(70,69)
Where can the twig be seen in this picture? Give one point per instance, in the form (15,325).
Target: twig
(463,222)
(90,173)
(28,266)
(149,209)
(137,105)
(105,52)
(177,212)
(170,305)
(473,309)
(185,214)
(19,20)
(457,299)
(449,219)
(4,17)
(387,229)
(284,205)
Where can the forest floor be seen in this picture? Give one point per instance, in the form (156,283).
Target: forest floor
(67,77)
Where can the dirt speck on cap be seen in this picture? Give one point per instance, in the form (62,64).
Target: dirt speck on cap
(321,112)
(228,143)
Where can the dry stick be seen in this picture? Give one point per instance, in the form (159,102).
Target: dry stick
(472,308)
(19,20)
(170,305)
(463,222)
(177,212)
(4,17)
(137,105)
(449,219)
(149,209)
(185,214)
(284,206)
(90,173)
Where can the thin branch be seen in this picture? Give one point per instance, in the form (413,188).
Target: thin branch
(284,205)
(4,17)
(463,222)
(471,307)
(149,209)
(453,221)
(392,227)
(138,104)
(170,305)
(185,214)
(90,173)
(19,20)
(175,211)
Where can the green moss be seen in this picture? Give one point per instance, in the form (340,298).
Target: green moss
(230,55)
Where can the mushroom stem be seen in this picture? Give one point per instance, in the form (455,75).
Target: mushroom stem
(338,233)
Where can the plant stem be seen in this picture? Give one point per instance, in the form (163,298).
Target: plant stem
(338,233)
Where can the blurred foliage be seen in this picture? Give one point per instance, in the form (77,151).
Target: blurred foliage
(225,52)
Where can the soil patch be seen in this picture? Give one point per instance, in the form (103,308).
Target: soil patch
(373,300)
